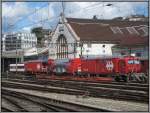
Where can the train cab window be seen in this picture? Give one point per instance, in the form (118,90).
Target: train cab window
(130,62)
(133,62)
(136,62)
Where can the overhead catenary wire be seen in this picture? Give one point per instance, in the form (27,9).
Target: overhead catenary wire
(24,17)
(89,7)
(38,22)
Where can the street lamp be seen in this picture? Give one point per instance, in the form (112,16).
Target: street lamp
(16,53)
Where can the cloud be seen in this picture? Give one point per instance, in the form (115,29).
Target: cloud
(27,29)
(16,14)
(88,9)
(14,11)
(42,14)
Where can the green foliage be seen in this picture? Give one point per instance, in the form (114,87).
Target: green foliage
(39,33)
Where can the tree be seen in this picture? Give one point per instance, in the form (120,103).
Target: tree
(95,17)
(39,33)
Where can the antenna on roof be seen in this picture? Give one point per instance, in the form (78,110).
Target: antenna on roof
(62,13)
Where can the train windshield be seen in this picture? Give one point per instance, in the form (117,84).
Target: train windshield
(133,62)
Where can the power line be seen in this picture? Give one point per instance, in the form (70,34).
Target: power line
(24,17)
(38,22)
(87,7)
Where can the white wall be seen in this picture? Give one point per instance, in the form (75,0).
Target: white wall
(69,38)
(95,50)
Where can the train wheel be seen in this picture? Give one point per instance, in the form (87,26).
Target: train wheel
(125,78)
(117,78)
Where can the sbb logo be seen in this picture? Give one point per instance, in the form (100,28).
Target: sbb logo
(109,65)
(38,66)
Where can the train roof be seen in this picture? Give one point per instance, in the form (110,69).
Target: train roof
(108,57)
(35,61)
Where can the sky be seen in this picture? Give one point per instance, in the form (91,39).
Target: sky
(23,16)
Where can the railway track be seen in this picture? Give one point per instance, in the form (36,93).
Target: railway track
(80,89)
(59,83)
(28,102)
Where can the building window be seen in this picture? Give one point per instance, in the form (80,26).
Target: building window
(116,30)
(89,45)
(132,30)
(145,30)
(103,46)
(138,54)
(62,47)
(123,53)
(61,28)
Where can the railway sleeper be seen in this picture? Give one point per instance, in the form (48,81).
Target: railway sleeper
(20,96)
(61,105)
(82,90)
(21,109)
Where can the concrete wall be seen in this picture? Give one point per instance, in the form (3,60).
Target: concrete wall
(134,50)
(95,50)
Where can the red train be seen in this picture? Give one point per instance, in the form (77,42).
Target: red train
(89,69)
(36,67)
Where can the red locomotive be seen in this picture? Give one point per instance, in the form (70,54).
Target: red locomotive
(95,69)
(35,66)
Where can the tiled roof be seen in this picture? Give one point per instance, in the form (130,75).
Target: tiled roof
(110,30)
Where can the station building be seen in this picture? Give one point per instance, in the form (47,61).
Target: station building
(75,37)
(14,47)
(13,41)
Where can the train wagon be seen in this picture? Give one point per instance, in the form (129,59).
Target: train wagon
(99,66)
(74,66)
(36,66)
(120,68)
(19,68)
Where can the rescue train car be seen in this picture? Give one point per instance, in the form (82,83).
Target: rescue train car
(36,67)
(119,68)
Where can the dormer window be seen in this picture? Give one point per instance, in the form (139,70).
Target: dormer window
(61,28)
(145,30)
(132,30)
(116,30)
